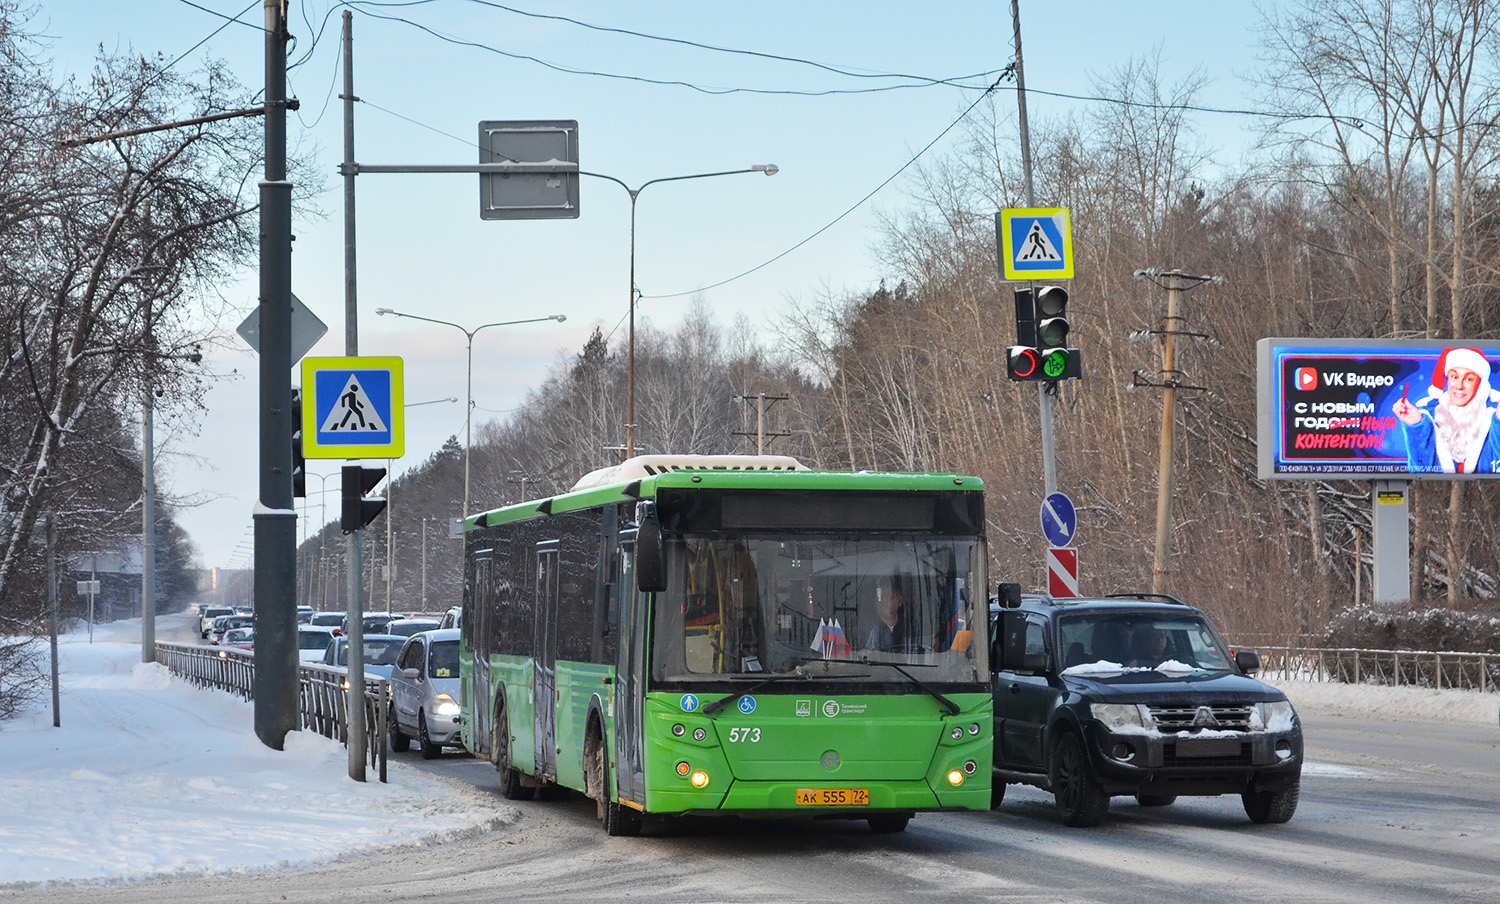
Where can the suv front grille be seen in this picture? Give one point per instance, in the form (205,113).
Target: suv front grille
(1226,717)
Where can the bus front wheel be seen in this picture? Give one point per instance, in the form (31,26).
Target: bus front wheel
(617,820)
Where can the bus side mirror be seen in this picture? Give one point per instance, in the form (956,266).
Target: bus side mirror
(650,558)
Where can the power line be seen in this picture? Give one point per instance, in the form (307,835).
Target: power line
(857,204)
(569,70)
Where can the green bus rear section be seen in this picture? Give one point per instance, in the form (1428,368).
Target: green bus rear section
(901,748)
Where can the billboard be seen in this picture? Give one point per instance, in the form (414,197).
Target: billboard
(1382,409)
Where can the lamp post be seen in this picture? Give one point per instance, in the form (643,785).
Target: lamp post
(148,505)
(469,373)
(770,169)
(390,508)
(322,538)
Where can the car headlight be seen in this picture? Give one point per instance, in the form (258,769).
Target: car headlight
(443,705)
(1115,716)
(1277,715)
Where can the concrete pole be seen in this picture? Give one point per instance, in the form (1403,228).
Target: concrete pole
(354,577)
(148,526)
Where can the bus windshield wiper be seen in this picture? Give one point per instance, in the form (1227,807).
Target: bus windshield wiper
(953,708)
(713,708)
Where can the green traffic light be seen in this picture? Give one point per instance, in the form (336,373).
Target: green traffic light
(1055,363)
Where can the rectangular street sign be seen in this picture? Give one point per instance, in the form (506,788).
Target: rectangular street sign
(353,407)
(526,194)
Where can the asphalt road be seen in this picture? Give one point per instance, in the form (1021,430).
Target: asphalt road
(1391,812)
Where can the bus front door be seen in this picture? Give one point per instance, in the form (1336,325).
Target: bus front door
(544,686)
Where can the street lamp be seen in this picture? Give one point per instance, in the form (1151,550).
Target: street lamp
(770,169)
(390,506)
(469,373)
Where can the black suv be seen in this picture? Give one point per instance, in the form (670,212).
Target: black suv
(1135,695)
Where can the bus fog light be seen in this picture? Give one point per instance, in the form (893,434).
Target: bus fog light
(700,779)
(957,733)
(974,728)
(678,730)
(969,767)
(699,734)
(683,768)
(955,778)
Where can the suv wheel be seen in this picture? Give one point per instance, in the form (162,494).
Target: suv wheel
(1273,806)
(1080,800)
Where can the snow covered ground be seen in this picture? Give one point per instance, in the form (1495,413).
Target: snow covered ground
(150,776)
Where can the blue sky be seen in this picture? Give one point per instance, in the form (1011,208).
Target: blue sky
(422,247)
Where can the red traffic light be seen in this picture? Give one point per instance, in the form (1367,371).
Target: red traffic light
(1022,363)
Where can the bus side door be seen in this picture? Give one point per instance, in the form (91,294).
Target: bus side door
(544,689)
(630,677)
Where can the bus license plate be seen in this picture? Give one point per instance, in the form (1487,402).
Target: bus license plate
(833,797)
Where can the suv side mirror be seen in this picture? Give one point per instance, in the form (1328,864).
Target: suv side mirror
(1247,660)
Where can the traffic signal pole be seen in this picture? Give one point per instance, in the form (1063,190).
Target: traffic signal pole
(275,518)
(1044,399)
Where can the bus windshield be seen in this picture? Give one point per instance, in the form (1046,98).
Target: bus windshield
(835,606)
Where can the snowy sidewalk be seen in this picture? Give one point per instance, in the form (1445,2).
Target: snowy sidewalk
(151,776)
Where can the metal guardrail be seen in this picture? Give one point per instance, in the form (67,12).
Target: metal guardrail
(323,702)
(1450,670)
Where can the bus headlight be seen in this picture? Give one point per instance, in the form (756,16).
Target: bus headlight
(444,705)
(955,777)
(700,779)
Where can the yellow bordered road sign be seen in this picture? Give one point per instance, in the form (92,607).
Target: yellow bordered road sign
(353,408)
(1035,242)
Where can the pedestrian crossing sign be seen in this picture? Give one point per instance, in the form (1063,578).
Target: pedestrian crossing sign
(353,408)
(1035,243)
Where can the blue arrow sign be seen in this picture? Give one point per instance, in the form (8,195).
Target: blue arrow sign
(1059,521)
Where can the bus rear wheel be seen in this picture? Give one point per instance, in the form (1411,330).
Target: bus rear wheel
(510,780)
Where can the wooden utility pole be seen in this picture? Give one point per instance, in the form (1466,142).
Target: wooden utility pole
(1175,282)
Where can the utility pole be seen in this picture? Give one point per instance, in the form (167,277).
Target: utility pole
(354,577)
(760,399)
(275,517)
(1175,282)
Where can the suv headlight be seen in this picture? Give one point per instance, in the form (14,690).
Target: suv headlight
(1277,715)
(1115,716)
(443,705)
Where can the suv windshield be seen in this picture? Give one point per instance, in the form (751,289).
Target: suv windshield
(831,605)
(1140,640)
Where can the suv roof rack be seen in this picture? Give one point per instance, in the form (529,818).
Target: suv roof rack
(1147,596)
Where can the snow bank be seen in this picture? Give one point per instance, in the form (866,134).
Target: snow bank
(151,776)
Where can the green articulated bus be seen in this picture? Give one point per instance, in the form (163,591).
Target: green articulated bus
(734,635)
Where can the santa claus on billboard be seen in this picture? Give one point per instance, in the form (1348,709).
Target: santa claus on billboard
(1453,429)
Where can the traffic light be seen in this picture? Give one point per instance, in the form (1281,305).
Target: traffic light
(358,511)
(299,464)
(1041,351)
